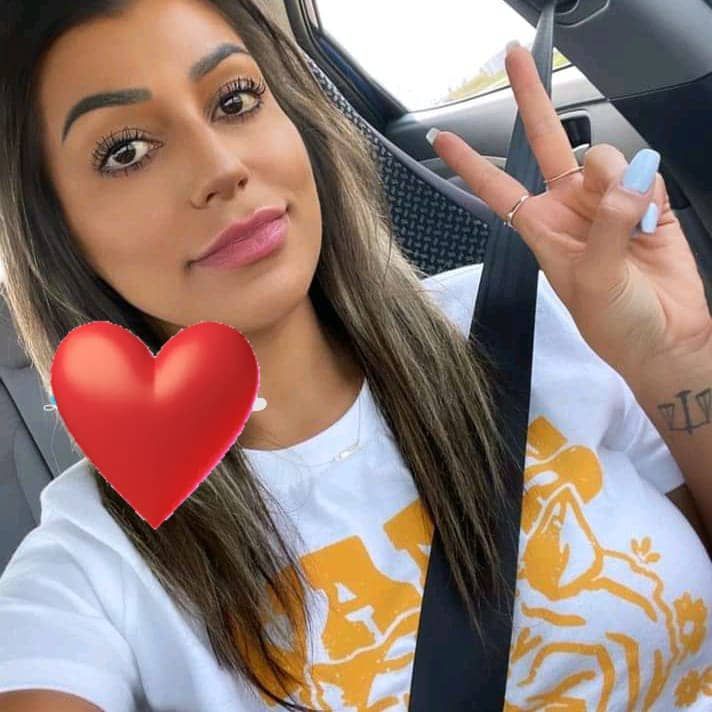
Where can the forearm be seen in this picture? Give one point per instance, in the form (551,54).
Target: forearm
(677,397)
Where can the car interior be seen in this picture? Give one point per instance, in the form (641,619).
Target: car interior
(640,76)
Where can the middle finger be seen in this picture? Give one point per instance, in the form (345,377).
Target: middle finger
(546,135)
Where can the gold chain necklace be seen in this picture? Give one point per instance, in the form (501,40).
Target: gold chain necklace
(340,456)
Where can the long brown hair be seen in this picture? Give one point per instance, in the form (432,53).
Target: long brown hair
(222,550)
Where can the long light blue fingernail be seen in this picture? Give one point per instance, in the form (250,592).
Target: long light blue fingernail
(430,136)
(640,174)
(649,223)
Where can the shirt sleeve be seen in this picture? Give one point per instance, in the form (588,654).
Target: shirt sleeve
(647,450)
(54,632)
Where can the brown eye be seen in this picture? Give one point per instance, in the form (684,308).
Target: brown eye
(233,104)
(119,152)
(127,153)
(230,102)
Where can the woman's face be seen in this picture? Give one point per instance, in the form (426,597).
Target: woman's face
(147,186)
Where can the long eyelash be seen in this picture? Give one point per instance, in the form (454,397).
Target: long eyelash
(110,144)
(106,146)
(240,85)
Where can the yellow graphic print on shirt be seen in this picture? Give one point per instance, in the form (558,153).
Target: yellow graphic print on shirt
(557,653)
(579,565)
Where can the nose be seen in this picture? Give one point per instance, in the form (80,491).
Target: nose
(216,165)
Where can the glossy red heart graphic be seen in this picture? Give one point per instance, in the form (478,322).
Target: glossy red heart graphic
(155,426)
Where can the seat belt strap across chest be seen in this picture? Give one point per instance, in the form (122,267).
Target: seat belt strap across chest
(452,670)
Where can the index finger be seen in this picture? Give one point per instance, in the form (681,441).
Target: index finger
(496,187)
(546,135)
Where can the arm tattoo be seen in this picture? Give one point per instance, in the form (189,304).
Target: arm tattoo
(688,417)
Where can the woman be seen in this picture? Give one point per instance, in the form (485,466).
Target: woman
(357,355)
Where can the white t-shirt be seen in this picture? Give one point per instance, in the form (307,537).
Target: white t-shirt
(614,588)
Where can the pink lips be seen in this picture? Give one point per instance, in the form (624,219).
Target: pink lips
(260,242)
(248,240)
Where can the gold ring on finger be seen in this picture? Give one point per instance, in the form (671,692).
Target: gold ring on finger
(513,211)
(563,175)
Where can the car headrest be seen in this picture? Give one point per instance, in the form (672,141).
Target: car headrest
(11,353)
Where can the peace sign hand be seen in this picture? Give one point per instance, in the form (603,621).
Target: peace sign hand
(637,300)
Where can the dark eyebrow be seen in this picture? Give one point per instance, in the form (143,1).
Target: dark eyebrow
(134,96)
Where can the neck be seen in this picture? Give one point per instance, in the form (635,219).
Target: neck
(308,380)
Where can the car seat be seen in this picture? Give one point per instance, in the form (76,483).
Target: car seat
(439,225)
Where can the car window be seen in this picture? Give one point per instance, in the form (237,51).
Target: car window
(428,54)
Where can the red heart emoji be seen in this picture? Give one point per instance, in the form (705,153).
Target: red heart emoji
(155,426)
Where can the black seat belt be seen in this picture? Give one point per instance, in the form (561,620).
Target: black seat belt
(452,670)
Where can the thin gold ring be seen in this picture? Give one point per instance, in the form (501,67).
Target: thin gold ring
(513,211)
(563,175)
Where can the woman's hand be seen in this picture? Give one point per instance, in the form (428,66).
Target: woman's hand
(637,299)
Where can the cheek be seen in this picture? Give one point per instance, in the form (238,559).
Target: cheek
(284,164)
(284,157)
(300,176)
(123,233)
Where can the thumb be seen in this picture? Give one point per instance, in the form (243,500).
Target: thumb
(627,202)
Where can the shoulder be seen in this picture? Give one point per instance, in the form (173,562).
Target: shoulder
(73,515)
(75,484)
(564,367)
(67,568)
(455,292)
(67,503)
(73,501)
